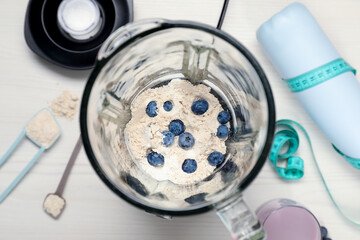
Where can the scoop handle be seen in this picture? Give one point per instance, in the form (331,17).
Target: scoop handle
(21,175)
(13,147)
(70,164)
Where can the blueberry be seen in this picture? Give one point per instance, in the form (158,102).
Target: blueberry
(151,109)
(324,232)
(135,184)
(197,198)
(186,140)
(177,127)
(155,159)
(222,131)
(242,113)
(223,117)
(199,107)
(189,166)
(168,138)
(228,171)
(216,159)
(168,106)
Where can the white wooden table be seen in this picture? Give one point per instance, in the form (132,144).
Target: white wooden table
(28,83)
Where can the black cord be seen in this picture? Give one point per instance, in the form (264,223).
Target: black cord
(223,12)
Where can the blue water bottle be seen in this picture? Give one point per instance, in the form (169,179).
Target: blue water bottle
(321,80)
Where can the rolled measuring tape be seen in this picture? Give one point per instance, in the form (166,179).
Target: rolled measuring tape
(287,141)
(295,165)
(288,137)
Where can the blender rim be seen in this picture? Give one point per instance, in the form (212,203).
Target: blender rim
(167,24)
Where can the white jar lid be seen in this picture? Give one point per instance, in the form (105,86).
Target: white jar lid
(79,18)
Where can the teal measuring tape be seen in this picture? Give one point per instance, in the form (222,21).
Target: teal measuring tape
(319,75)
(295,165)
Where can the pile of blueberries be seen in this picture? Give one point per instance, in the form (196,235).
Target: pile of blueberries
(186,140)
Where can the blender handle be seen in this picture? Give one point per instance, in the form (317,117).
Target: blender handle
(123,34)
(241,222)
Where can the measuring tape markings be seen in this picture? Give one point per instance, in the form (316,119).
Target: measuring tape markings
(319,75)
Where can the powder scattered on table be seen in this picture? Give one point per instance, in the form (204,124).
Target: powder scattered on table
(43,128)
(65,105)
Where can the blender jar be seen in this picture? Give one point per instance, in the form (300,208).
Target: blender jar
(149,54)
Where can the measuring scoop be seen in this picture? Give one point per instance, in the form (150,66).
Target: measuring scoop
(54,203)
(43,130)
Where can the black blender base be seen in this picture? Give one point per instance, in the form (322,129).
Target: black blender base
(47,40)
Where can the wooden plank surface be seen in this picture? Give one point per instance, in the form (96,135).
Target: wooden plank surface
(28,83)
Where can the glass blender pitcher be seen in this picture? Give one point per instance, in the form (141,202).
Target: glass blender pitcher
(149,54)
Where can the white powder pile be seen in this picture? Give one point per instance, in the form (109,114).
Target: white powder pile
(144,133)
(43,128)
(54,205)
(65,105)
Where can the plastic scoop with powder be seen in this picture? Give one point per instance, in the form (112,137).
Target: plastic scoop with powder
(54,203)
(42,130)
